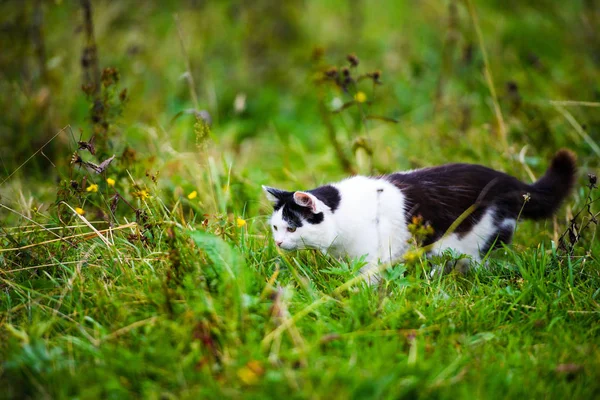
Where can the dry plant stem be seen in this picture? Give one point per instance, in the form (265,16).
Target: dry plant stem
(34,154)
(77,273)
(128,328)
(85,221)
(37,37)
(593,219)
(41,226)
(87,234)
(344,161)
(363,115)
(574,103)
(578,129)
(524,164)
(365,123)
(448,50)
(488,76)
(12,271)
(91,67)
(282,315)
(188,64)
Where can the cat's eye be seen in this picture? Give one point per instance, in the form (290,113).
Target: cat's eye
(274,227)
(290,229)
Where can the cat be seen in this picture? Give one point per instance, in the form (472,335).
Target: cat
(369,216)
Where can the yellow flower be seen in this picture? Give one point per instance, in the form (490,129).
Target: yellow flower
(192,195)
(250,373)
(111,182)
(79,210)
(240,222)
(360,97)
(92,188)
(142,194)
(412,256)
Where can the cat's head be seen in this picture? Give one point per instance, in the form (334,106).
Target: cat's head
(303,220)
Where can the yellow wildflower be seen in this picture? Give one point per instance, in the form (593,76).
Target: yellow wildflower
(192,195)
(79,210)
(111,182)
(250,373)
(240,222)
(142,194)
(412,256)
(92,188)
(360,97)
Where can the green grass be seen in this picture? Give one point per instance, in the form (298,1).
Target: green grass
(188,297)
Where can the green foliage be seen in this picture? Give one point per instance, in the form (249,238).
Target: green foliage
(152,274)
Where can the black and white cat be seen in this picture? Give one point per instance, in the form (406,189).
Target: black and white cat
(369,216)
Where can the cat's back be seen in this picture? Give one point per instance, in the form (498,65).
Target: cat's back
(457,185)
(474,175)
(362,195)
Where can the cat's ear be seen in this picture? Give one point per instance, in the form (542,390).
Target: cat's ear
(304,199)
(273,195)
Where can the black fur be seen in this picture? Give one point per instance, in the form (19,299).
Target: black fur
(503,235)
(441,194)
(328,195)
(294,214)
(550,190)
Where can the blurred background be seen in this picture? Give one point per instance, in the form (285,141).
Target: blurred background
(153,273)
(254,70)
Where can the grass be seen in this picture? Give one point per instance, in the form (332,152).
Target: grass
(156,292)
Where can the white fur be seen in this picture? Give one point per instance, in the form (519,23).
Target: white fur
(471,243)
(370,221)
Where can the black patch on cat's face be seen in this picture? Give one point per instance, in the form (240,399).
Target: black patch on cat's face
(292,215)
(441,194)
(295,214)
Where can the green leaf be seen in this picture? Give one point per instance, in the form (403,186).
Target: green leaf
(220,253)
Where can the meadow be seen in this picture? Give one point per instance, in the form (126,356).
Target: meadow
(136,259)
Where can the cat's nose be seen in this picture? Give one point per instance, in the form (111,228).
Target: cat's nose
(278,243)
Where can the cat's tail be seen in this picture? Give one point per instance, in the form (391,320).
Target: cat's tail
(547,194)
